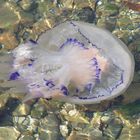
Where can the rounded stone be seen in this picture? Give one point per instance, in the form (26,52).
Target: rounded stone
(8,133)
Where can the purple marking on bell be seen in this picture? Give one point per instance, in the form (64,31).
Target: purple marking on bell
(49,83)
(110,89)
(33,42)
(77,90)
(72,23)
(33,85)
(30,65)
(32,60)
(89,86)
(83,98)
(97,69)
(83,35)
(122,76)
(93,97)
(48,99)
(45,79)
(14,76)
(100,95)
(64,90)
(97,72)
(73,41)
(97,80)
(94,60)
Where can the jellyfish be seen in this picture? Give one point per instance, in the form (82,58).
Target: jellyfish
(74,62)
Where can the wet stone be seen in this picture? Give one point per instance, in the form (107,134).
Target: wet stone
(1,30)
(2,90)
(38,28)
(7,16)
(25,35)
(64,130)
(96,134)
(22,110)
(91,134)
(1,46)
(124,35)
(77,4)
(89,131)
(114,129)
(135,45)
(109,23)
(124,23)
(86,14)
(132,93)
(131,133)
(70,113)
(27,137)
(28,5)
(136,34)
(49,135)
(25,124)
(75,136)
(137,61)
(106,16)
(135,48)
(8,40)
(39,110)
(7,110)
(107,9)
(49,128)
(131,126)
(67,4)
(129,20)
(130,109)
(8,133)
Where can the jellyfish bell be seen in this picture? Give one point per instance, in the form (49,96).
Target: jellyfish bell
(74,62)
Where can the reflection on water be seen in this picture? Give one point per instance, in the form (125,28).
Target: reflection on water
(22,20)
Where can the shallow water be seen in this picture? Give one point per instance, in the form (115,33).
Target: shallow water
(23,20)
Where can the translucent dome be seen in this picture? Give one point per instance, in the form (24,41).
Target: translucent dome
(74,62)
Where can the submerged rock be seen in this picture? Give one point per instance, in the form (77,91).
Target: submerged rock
(8,133)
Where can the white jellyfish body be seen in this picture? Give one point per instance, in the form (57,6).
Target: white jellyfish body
(74,62)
